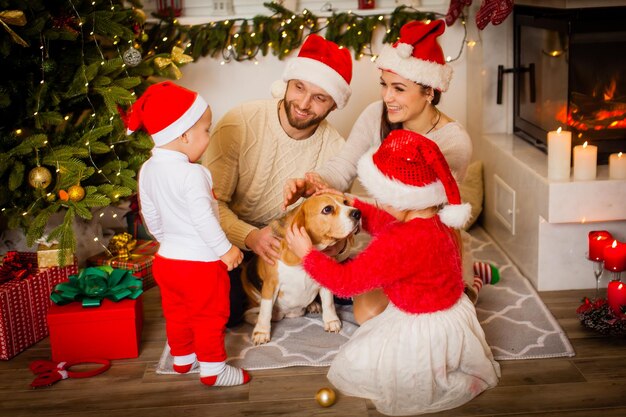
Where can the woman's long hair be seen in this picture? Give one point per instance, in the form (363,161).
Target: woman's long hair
(386,126)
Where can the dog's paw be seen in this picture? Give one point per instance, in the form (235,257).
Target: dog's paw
(314,308)
(333,326)
(260,337)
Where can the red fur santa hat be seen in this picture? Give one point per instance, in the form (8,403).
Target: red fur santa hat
(325,64)
(417,55)
(409,172)
(166,111)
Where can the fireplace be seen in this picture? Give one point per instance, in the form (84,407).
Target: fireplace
(570,72)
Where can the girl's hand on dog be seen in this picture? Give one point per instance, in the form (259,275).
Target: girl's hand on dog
(232,258)
(299,241)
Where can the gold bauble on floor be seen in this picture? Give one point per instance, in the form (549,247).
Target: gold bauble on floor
(325,397)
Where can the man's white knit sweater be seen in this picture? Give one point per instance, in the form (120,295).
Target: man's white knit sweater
(250,157)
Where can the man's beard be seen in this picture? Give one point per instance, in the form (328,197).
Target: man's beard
(304,124)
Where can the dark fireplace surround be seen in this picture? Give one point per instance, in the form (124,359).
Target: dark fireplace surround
(570,72)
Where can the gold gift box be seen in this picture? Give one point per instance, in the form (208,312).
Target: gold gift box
(48,256)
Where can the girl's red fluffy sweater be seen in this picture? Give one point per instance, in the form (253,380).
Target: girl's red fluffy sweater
(417,263)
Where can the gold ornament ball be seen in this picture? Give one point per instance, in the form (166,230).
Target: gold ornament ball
(76,193)
(325,397)
(39,177)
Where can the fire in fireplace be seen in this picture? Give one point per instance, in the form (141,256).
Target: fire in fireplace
(570,72)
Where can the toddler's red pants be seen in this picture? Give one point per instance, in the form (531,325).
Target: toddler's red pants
(195,300)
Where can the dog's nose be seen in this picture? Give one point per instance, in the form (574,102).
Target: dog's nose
(355,214)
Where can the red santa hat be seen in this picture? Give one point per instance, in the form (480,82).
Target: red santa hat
(166,111)
(409,172)
(417,55)
(325,64)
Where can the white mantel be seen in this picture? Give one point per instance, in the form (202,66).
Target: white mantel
(542,225)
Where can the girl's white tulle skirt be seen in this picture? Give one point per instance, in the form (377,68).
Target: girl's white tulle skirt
(417,363)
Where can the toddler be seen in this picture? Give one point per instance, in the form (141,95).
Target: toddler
(180,211)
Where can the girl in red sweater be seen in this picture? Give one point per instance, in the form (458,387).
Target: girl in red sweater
(426,351)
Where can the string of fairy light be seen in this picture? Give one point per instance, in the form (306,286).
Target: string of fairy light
(241,35)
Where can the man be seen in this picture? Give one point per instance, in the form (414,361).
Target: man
(258,145)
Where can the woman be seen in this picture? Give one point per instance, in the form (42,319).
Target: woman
(413,75)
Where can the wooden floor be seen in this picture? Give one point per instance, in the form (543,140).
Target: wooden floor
(593,383)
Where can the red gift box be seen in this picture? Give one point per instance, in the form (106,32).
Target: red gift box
(140,261)
(24,304)
(111,331)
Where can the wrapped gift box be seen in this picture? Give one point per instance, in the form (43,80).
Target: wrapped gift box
(140,261)
(48,256)
(111,331)
(23,307)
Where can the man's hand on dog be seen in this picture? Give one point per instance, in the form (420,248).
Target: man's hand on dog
(302,187)
(264,244)
(299,241)
(232,258)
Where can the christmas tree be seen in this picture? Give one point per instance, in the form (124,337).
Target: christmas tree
(68,65)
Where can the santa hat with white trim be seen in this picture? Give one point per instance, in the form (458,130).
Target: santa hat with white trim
(417,55)
(409,172)
(165,111)
(325,64)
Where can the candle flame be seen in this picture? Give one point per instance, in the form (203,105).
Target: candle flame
(585,144)
(558,130)
(619,155)
(619,287)
(614,245)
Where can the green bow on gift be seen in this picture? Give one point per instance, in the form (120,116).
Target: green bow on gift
(94,284)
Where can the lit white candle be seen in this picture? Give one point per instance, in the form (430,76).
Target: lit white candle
(585,162)
(617,166)
(559,154)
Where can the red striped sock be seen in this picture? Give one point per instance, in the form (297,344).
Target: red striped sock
(487,272)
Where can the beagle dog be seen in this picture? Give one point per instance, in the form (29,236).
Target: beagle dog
(285,289)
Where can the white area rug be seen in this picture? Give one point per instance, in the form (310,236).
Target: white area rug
(516,322)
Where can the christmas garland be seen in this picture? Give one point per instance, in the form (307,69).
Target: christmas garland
(280,33)
(597,315)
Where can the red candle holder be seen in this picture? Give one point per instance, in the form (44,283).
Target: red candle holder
(598,268)
(616,297)
(598,239)
(615,258)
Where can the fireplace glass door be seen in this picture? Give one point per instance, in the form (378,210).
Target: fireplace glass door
(578,77)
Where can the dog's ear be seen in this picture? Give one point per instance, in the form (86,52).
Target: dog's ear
(298,218)
(280,225)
